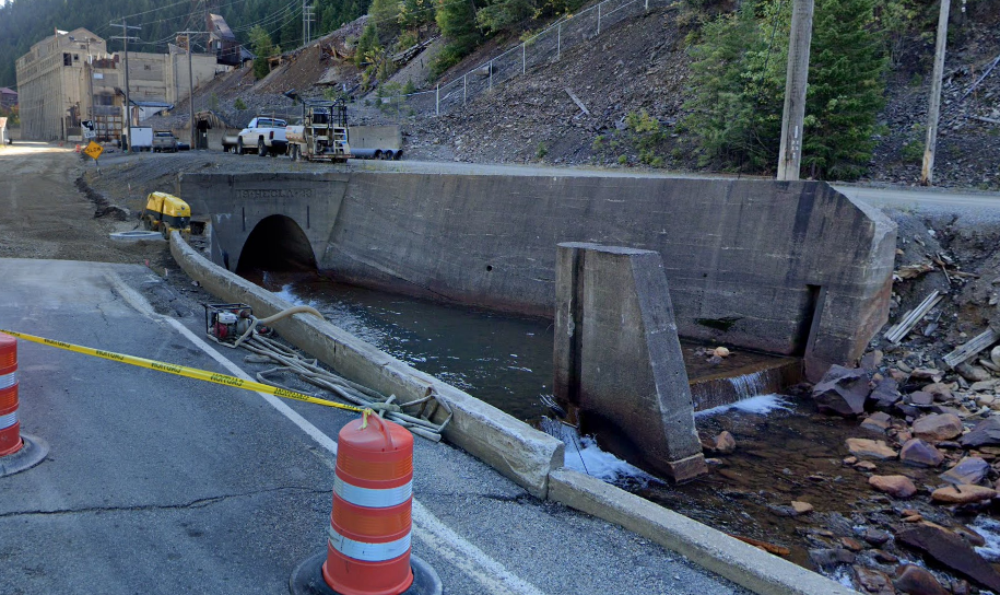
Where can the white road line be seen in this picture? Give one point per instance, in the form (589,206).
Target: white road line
(430,530)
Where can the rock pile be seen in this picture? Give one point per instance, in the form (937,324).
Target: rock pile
(945,428)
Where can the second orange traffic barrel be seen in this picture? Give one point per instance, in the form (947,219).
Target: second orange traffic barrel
(10,427)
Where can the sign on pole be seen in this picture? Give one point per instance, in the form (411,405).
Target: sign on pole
(93,150)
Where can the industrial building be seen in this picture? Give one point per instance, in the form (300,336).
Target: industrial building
(70,77)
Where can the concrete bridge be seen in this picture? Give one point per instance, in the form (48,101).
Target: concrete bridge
(792,268)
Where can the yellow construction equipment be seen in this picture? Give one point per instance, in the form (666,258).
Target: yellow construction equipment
(165,213)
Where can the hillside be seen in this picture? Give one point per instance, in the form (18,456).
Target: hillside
(643,64)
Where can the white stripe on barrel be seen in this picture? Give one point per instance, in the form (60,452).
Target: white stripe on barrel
(8,420)
(369,552)
(8,380)
(370,498)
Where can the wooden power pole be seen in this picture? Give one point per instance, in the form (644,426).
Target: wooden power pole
(790,151)
(128,104)
(934,110)
(190,48)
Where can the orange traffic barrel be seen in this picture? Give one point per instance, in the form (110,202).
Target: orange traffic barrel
(368,552)
(368,549)
(10,427)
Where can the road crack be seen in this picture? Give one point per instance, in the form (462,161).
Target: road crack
(193,504)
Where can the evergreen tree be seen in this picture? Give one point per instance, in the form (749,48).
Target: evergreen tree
(368,45)
(385,15)
(291,33)
(457,22)
(739,81)
(263,48)
(847,93)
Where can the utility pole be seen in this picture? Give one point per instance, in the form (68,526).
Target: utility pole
(128,104)
(307,19)
(190,48)
(790,152)
(934,110)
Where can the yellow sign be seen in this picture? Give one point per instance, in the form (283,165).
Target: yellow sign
(93,150)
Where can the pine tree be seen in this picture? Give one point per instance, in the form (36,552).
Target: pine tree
(739,79)
(457,22)
(843,100)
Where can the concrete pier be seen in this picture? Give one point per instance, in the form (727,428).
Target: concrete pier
(618,358)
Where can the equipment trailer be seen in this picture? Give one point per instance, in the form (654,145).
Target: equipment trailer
(322,135)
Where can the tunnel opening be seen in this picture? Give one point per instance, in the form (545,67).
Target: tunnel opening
(277,243)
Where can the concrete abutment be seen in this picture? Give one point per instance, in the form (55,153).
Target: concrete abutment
(792,268)
(618,359)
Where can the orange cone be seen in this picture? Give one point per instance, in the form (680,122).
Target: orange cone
(369,548)
(10,427)
(77,148)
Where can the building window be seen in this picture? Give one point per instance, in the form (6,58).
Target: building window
(76,57)
(147,66)
(67,60)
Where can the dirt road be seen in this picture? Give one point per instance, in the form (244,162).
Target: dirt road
(44,215)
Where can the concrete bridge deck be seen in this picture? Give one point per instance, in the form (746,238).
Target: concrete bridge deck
(160,484)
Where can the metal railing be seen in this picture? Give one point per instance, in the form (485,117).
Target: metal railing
(544,47)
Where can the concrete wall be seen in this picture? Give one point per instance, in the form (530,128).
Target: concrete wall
(618,359)
(375,137)
(786,267)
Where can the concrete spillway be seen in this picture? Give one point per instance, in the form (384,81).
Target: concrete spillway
(791,268)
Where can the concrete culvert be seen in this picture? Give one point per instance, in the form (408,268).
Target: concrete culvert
(277,244)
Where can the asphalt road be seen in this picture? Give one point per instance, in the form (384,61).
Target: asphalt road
(921,198)
(160,484)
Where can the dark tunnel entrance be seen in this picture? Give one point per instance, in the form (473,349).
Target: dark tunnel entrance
(276,244)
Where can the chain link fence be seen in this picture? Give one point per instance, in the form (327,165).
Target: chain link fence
(544,47)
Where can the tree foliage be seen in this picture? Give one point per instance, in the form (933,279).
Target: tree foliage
(263,48)
(457,22)
(739,82)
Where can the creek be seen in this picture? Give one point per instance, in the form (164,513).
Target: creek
(786,450)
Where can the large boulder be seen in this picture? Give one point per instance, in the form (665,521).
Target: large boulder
(897,486)
(914,580)
(963,494)
(986,432)
(951,551)
(969,470)
(917,453)
(873,449)
(842,391)
(938,427)
(885,395)
(874,581)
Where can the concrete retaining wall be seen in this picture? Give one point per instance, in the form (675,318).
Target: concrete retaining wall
(375,137)
(786,267)
(509,445)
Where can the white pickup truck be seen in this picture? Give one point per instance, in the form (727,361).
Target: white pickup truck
(263,135)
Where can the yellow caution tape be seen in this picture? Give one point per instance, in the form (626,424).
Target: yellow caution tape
(185,371)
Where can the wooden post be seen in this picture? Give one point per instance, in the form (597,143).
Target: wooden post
(790,151)
(934,110)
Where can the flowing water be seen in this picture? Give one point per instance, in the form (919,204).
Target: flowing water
(786,451)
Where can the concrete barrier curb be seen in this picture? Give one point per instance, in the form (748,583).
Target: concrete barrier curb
(510,446)
(713,550)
